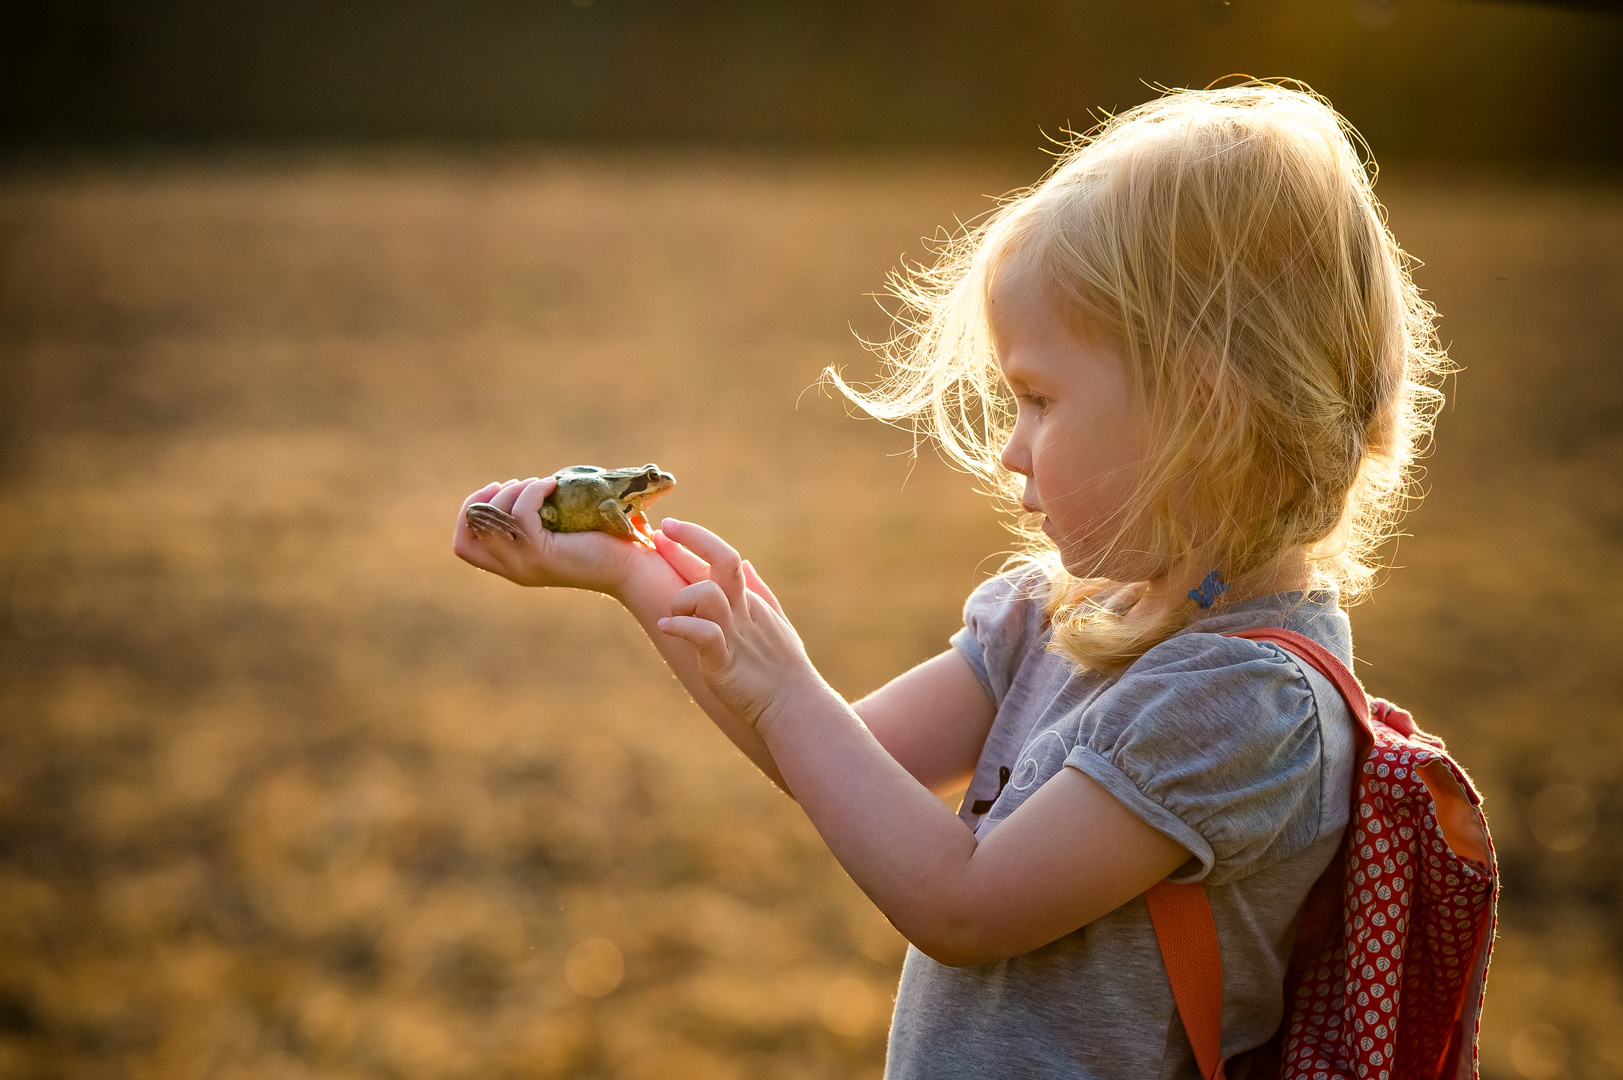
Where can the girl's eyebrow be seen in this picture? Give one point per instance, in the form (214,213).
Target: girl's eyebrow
(1015,383)
(1016,372)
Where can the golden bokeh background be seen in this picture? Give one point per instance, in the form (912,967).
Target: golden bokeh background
(289,791)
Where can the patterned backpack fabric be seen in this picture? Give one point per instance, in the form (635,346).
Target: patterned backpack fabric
(1386,977)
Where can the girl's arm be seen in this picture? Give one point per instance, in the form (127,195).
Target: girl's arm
(934,718)
(1068,855)
(640,579)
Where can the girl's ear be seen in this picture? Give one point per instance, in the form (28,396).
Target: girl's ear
(1212,410)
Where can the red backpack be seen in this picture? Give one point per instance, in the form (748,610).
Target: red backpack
(1386,977)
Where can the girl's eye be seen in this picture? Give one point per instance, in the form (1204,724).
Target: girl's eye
(1036,401)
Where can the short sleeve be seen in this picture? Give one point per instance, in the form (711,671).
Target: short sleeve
(1004,619)
(1216,742)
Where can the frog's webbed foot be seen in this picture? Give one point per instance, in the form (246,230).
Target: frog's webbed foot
(484,518)
(644,531)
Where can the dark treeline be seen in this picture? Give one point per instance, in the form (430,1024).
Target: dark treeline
(1421,78)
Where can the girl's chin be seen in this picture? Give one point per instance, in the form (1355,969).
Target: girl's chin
(1087,562)
(1081,563)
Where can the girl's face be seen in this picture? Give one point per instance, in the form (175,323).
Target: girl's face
(1077,436)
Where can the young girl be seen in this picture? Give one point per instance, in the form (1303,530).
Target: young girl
(1193,357)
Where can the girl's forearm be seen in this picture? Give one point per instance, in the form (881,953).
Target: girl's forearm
(900,844)
(647,595)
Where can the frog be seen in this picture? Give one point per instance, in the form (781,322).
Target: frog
(588,498)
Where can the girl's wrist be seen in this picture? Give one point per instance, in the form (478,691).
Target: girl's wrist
(798,703)
(647,582)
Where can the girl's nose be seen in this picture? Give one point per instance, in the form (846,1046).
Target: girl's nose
(1014,458)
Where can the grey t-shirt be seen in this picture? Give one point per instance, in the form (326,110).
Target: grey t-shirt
(1233,748)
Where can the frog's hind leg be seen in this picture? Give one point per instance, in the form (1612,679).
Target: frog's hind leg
(484,518)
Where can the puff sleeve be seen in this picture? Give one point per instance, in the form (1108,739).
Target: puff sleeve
(1216,742)
(1004,620)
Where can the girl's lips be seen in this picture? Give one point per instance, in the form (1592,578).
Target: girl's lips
(1028,508)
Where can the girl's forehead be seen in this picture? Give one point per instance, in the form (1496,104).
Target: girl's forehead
(1021,309)
(1018,300)
(1012,269)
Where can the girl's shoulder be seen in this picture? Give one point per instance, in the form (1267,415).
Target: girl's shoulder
(1005,619)
(1019,595)
(1024,583)
(1015,596)
(1246,745)
(1202,678)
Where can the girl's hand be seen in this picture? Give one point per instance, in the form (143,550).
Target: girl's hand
(586,560)
(693,569)
(749,655)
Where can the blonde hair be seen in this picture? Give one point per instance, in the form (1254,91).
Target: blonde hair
(1230,242)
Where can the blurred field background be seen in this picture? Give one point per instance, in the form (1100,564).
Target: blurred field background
(287,791)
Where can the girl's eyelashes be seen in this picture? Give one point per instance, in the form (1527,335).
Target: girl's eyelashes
(1036,401)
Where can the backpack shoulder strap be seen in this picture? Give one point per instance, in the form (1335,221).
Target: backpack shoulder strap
(1323,660)
(1182,914)
(1184,929)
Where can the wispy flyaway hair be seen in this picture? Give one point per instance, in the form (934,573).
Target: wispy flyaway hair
(1230,242)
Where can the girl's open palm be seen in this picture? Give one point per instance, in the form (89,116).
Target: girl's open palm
(584,560)
(749,655)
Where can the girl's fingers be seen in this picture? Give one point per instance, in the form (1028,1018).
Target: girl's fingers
(464,541)
(527,506)
(700,614)
(482,495)
(758,587)
(726,568)
(688,566)
(691,568)
(470,547)
(508,495)
(705,636)
(704,600)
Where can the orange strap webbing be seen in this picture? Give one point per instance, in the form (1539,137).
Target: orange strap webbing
(1181,914)
(1188,939)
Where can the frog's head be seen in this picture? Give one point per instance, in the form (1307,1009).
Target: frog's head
(636,488)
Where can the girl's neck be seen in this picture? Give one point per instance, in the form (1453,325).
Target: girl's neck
(1289,573)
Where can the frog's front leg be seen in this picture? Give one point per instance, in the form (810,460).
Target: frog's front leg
(485,518)
(633,526)
(615,521)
